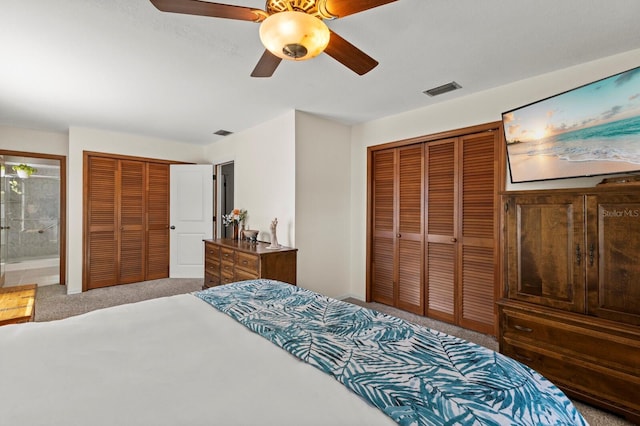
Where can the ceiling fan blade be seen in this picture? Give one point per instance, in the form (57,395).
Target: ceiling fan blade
(349,55)
(204,8)
(266,65)
(342,8)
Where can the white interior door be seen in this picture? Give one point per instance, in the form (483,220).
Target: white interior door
(191,218)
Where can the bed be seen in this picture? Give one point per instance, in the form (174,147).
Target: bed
(261,352)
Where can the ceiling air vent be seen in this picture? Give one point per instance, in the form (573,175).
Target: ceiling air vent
(222,132)
(442,89)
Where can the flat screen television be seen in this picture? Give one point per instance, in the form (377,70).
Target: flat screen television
(587,131)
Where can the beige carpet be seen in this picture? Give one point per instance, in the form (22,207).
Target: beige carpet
(52,303)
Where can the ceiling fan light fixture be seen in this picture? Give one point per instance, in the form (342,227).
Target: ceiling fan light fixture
(294,35)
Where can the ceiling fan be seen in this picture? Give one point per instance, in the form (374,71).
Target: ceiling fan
(290,29)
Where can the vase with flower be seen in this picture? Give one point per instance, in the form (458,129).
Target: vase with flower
(235,218)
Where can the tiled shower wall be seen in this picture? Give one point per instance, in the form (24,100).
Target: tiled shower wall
(33,215)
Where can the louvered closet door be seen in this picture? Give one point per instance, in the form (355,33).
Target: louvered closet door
(382,249)
(441,221)
(409,229)
(132,222)
(477,245)
(102,222)
(157,221)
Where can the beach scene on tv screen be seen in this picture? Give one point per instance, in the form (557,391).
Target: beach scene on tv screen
(591,130)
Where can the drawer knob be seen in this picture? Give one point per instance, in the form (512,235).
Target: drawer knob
(522,328)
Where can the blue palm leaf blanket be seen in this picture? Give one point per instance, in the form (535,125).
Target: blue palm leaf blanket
(416,375)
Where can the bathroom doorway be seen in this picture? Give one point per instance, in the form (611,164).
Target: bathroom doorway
(34,204)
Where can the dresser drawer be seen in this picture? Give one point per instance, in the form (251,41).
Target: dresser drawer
(247,262)
(226,278)
(227,254)
(226,268)
(211,280)
(211,252)
(212,267)
(598,345)
(576,375)
(244,275)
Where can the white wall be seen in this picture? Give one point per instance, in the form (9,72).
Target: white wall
(18,139)
(296,168)
(323,204)
(264,174)
(82,139)
(461,112)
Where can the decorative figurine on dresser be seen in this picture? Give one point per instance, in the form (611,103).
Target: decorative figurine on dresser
(274,236)
(227,261)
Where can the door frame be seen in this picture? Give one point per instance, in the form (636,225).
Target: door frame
(62,159)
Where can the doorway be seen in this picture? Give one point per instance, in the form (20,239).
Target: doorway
(226,201)
(33,219)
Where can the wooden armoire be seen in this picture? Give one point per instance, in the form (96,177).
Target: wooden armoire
(572,291)
(432,236)
(126,220)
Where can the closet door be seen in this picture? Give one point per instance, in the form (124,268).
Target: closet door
(126,221)
(409,247)
(477,241)
(383,226)
(157,221)
(397,253)
(131,238)
(101,222)
(441,180)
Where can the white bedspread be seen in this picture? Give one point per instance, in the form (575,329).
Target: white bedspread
(169,361)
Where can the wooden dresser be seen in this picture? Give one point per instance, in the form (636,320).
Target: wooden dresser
(227,261)
(572,291)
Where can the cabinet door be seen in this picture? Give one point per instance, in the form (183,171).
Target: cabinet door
(382,249)
(477,242)
(409,234)
(546,250)
(441,180)
(157,221)
(101,222)
(613,257)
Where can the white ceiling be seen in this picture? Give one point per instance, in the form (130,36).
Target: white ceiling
(123,65)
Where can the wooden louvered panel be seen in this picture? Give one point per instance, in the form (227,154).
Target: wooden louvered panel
(383,270)
(131,257)
(383,190)
(410,296)
(440,280)
(410,179)
(157,221)
(478,193)
(132,217)
(410,215)
(102,250)
(382,283)
(132,194)
(102,205)
(102,221)
(477,288)
(440,182)
(157,254)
